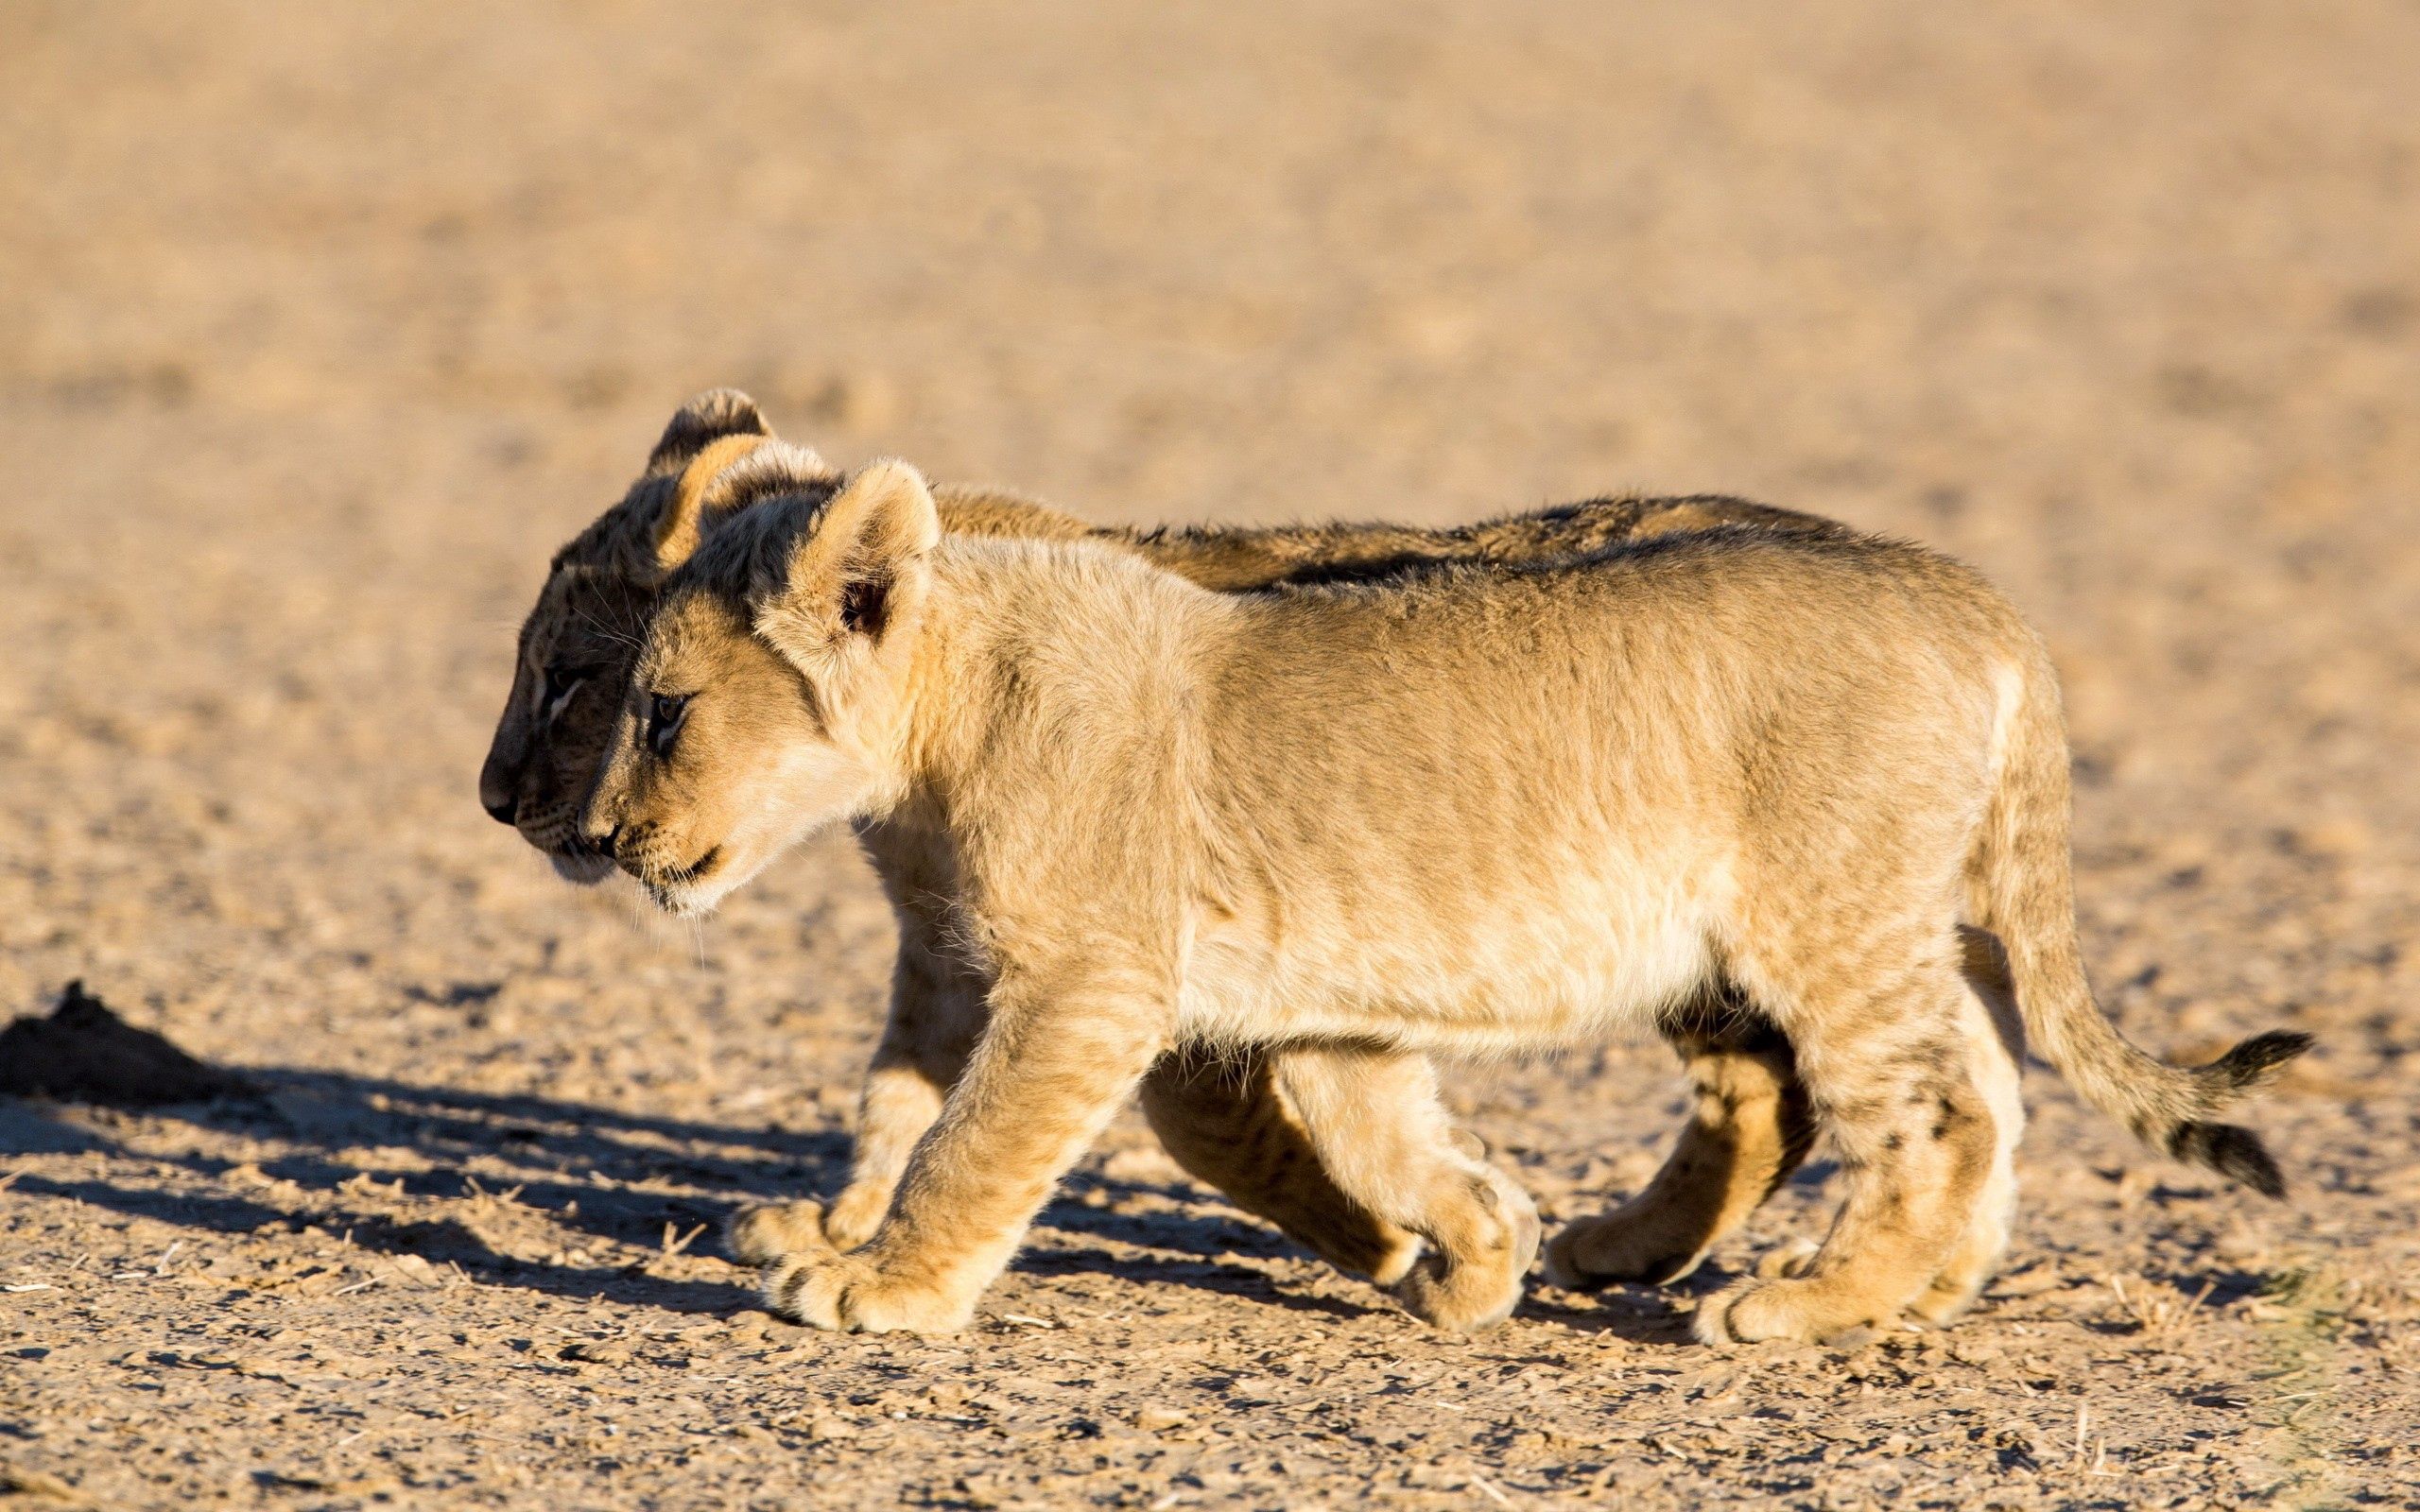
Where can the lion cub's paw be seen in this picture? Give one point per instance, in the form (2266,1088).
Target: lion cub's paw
(849,1294)
(1788,1259)
(1476,1286)
(1589,1254)
(1795,1311)
(855,1214)
(1396,1251)
(773,1232)
(1948,1297)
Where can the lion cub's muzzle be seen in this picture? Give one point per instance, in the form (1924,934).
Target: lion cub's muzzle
(576,861)
(651,868)
(641,851)
(679,889)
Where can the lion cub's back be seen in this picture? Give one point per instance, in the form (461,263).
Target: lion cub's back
(1694,626)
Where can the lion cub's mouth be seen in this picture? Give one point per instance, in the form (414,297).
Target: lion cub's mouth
(581,864)
(576,858)
(666,886)
(696,869)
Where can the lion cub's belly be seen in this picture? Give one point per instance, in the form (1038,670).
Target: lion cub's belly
(1539,973)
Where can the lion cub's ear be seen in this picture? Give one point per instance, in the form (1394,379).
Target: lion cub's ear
(700,424)
(731,474)
(857,573)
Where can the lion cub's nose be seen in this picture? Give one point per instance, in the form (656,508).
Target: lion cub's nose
(601,832)
(498,790)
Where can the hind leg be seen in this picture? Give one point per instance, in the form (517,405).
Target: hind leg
(1995,1042)
(1885,1057)
(1749,1129)
(1751,1126)
(1223,1117)
(1382,1136)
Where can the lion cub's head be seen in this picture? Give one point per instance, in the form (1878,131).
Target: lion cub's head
(770,689)
(579,641)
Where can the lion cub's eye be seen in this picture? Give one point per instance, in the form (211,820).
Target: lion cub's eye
(664,715)
(562,682)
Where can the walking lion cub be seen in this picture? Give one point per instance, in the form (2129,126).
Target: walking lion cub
(1463,808)
(1226,1116)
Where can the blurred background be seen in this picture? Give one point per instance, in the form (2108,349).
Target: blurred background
(321,326)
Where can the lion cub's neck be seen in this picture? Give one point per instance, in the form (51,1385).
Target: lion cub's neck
(1025,644)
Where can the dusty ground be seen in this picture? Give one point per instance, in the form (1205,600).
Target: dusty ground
(320,326)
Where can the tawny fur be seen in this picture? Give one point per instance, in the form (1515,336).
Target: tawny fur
(1466,808)
(1226,1116)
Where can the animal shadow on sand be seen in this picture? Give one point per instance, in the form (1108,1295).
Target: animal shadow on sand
(615,1175)
(489,1180)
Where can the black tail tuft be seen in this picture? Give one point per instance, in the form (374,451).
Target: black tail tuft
(2234,1153)
(2251,1062)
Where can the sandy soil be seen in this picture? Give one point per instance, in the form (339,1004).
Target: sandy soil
(320,326)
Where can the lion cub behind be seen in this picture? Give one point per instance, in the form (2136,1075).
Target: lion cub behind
(1463,809)
(1227,1116)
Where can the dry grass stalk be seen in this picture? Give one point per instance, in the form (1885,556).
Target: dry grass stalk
(2157,1310)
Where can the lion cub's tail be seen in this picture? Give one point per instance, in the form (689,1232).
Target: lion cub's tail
(2022,888)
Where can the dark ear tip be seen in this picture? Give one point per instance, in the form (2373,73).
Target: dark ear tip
(706,418)
(726,412)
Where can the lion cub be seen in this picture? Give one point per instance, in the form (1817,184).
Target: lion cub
(1466,809)
(1226,1116)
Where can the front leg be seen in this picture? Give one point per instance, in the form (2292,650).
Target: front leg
(1061,1052)
(936,1012)
(937,1004)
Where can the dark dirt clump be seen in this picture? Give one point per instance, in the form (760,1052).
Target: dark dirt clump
(84,1052)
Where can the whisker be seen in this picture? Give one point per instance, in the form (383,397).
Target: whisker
(628,642)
